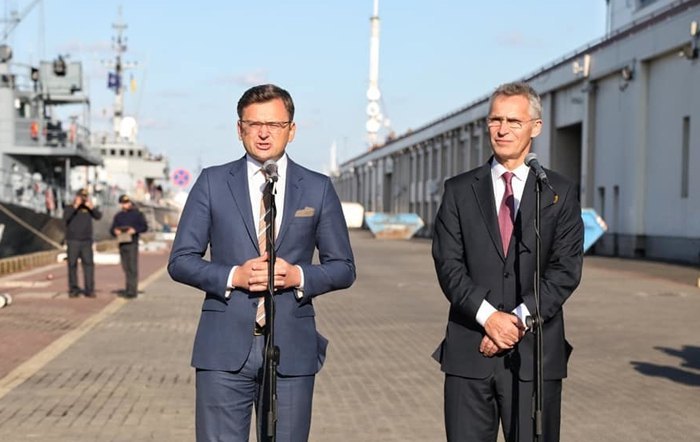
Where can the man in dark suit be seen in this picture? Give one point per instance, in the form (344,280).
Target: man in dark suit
(222,214)
(484,253)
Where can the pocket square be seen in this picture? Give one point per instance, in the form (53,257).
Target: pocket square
(304,213)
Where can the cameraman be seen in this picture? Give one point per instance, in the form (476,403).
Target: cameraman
(78,218)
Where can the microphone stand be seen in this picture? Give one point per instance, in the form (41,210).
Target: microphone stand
(535,322)
(272,352)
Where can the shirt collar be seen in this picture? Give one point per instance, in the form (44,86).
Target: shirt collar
(254,166)
(497,169)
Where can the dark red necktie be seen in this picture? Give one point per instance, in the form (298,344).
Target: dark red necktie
(506,213)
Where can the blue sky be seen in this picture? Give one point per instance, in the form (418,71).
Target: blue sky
(195,59)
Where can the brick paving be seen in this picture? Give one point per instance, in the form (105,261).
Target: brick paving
(42,312)
(634,373)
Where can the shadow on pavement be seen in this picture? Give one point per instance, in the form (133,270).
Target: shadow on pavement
(691,359)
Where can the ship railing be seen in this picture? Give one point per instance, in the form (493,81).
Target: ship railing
(31,191)
(79,135)
(107,196)
(53,133)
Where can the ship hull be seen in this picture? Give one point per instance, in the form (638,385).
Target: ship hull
(17,239)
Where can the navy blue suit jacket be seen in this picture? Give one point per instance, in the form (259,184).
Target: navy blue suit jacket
(218,216)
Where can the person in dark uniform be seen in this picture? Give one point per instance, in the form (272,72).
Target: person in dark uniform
(78,218)
(126,227)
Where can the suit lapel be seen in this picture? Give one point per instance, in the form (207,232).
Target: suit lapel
(483,190)
(238,185)
(527,202)
(292,194)
(526,213)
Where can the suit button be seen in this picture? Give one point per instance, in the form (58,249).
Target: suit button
(506,274)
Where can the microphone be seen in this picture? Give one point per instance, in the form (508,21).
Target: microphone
(534,165)
(270,168)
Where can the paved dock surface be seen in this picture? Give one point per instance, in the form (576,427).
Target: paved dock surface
(109,369)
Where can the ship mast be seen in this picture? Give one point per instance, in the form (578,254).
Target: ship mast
(115,78)
(375,118)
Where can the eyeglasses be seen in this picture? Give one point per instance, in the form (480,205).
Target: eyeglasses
(511,122)
(272,126)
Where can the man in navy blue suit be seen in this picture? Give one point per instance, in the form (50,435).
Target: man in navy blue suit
(222,214)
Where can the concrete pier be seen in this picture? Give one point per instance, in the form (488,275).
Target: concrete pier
(109,369)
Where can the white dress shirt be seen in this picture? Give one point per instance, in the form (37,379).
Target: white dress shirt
(499,188)
(256,185)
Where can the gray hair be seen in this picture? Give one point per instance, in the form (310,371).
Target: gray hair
(522,89)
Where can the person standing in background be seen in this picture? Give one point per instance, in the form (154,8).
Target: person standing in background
(126,227)
(78,218)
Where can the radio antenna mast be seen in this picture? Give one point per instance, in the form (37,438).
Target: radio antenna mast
(375,118)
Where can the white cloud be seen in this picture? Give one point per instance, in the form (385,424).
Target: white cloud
(246,79)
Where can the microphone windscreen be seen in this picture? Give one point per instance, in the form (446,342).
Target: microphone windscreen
(270,168)
(530,157)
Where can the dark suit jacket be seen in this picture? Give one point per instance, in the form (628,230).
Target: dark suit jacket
(471,267)
(218,215)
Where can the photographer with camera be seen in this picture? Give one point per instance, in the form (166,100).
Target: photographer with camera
(78,218)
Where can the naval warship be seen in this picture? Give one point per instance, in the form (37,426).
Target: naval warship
(38,149)
(48,152)
(128,166)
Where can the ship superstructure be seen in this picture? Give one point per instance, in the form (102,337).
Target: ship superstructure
(128,167)
(44,133)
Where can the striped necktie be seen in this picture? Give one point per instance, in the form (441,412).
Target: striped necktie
(264,223)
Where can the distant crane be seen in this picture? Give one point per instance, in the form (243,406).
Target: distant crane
(16,18)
